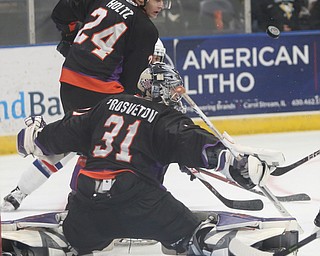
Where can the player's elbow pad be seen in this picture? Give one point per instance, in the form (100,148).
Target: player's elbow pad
(210,154)
(27,145)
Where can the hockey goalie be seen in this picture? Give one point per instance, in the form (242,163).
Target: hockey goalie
(128,142)
(41,235)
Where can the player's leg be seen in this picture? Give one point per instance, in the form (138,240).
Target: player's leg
(73,97)
(88,217)
(31,179)
(80,164)
(156,214)
(132,208)
(317,220)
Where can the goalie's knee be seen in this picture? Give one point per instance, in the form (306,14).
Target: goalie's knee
(197,245)
(179,247)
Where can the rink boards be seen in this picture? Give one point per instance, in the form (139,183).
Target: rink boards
(234,126)
(245,84)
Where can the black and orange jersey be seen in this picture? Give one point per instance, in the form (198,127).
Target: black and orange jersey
(112,47)
(125,132)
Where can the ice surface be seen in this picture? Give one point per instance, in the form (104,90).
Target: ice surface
(304,179)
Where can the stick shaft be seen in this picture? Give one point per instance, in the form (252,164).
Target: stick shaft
(288,198)
(249,205)
(282,170)
(208,123)
(264,189)
(299,244)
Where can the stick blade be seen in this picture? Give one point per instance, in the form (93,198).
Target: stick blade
(294,198)
(281,170)
(249,205)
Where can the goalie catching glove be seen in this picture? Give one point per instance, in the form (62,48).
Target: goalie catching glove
(26,140)
(248,172)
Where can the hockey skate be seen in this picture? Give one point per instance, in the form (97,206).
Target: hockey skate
(13,200)
(317,220)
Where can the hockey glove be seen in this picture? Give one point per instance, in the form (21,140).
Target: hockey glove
(185,169)
(26,140)
(67,40)
(247,172)
(63,47)
(68,34)
(26,136)
(38,121)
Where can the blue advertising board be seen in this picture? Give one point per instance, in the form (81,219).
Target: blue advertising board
(249,73)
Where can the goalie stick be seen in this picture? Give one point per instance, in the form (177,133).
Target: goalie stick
(249,205)
(265,190)
(240,249)
(288,198)
(181,90)
(284,169)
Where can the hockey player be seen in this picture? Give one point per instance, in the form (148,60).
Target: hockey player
(106,44)
(39,171)
(128,140)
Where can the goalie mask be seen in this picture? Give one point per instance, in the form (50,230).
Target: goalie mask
(159,83)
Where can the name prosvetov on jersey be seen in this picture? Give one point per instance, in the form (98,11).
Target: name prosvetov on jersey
(133,109)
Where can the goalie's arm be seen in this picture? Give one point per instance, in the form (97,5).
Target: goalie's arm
(177,139)
(193,146)
(67,135)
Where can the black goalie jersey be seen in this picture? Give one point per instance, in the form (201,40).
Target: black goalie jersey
(124,132)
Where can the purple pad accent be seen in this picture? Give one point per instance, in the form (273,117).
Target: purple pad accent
(20,143)
(41,218)
(221,162)
(42,148)
(204,158)
(228,218)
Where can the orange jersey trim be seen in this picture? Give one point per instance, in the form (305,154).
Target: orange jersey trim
(90,83)
(72,26)
(103,175)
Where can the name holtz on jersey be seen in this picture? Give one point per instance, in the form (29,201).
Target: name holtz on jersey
(133,109)
(120,8)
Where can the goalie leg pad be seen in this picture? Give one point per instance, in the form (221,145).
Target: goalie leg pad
(197,244)
(213,236)
(37,242)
